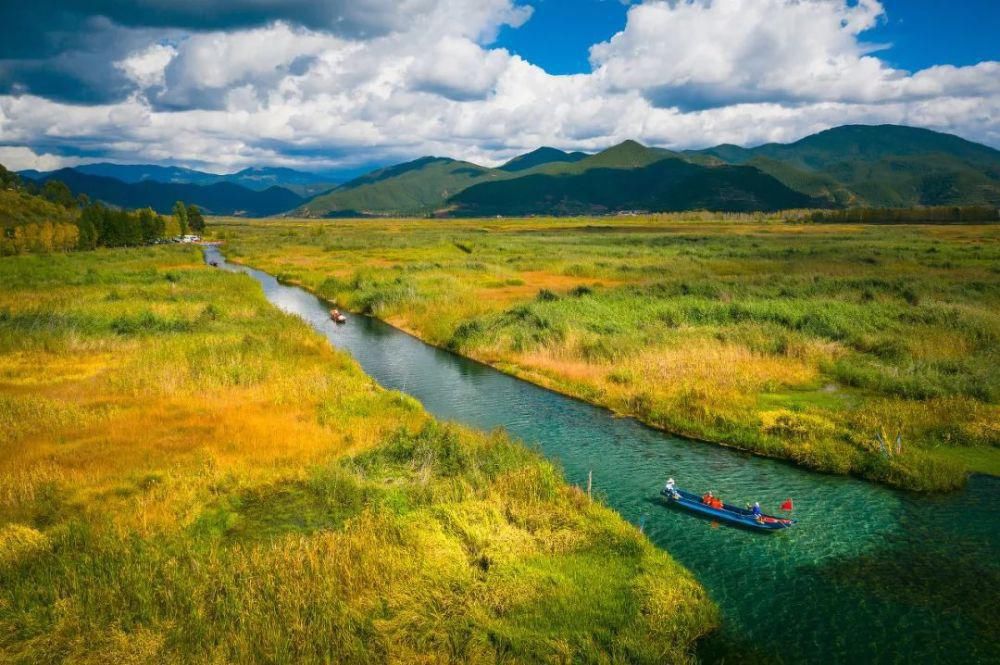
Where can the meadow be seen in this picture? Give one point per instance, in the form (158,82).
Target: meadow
(189,475)
(869,350)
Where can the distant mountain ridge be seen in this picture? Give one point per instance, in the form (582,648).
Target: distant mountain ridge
(880,166)
(877,165)
(411,188)
(852,165)
(663,185)
(256,178)
(541,156)
(220,198)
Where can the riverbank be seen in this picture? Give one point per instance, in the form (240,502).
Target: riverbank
(188,474)
(812,344)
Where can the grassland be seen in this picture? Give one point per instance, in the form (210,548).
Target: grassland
(822,344)
(188,475)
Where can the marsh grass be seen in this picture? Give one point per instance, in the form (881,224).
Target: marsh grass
(188,475)
(789,339)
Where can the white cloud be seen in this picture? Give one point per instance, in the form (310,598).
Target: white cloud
(704,53)
(458,69)
(146,68)
(19,158)
(682,74)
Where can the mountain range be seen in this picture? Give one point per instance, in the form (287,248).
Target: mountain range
(220,198)
(852,165)
(303,183)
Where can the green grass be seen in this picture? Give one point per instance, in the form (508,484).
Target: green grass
(188,475)
(800,341)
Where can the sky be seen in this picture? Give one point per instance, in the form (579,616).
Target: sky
(225,84)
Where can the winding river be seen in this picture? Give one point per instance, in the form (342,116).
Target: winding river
(868,575)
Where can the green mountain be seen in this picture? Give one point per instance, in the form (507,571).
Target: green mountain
(883,165)
(625,155)
(418,187)
(541,157)
(668,184)
(852,165)
(428,185)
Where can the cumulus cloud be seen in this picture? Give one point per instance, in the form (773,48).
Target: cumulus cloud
(297,90)
(703,53)
(20,158)
(458,69)
(146,68)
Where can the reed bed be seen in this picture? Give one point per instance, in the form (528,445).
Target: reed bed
(778,336)
(188,475)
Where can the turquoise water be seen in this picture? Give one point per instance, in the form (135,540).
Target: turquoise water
(868,575)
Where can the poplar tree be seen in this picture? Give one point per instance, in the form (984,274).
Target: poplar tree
(181,215)
(195,219)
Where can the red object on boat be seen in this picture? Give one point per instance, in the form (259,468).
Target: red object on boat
(787,505)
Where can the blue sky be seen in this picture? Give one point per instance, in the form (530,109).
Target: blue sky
(340,84)
(920,33)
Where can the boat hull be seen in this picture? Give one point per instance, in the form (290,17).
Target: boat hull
(728,514)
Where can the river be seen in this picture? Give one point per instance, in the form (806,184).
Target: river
(868,574)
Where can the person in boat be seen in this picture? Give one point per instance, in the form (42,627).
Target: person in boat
(755,511)
(671,489)
(708,499)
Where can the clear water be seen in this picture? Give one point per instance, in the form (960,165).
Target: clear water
(867,575)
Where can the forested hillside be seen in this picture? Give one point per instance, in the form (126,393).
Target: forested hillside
(868,166)
(48,217)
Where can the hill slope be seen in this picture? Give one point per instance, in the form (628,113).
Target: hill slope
(426,185)
(540,157)
(852,165)
(883,165)
(413,188)
(221,198)
(18,207)
(666,185)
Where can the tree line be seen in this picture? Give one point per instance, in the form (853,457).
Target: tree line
(74,222)
(914,215)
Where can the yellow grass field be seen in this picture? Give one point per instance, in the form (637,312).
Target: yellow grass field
(188,475)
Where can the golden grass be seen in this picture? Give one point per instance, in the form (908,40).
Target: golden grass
(188,475)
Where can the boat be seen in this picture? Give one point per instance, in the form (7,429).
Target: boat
(727,513)
(337,316)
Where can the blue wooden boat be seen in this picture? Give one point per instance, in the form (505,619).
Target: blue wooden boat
(728,513)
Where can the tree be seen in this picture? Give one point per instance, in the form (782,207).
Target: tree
(9,179)
(195,219)
(57,192)
(147,225)
(172,228)
(180,214)
(91,225)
